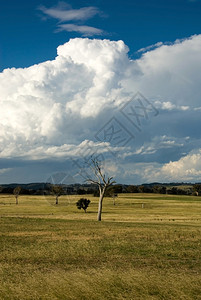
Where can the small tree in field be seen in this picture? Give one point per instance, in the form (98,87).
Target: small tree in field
(101,181)
(83,204)
(197,189)
(16,193)
(57,190)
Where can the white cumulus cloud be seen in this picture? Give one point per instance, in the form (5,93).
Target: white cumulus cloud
(170,72)
(186,169)
(50,108)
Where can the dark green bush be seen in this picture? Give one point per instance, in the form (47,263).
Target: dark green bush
(83,204)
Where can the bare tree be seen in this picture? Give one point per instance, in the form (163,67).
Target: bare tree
(114,196)
(101,181)
(16,193)
(57,190)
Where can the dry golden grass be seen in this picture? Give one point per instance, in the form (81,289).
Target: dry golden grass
(59,252)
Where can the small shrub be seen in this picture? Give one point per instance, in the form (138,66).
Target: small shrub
(83,204)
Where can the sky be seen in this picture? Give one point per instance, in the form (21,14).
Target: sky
(118,81)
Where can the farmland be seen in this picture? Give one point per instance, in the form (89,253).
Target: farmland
(147,246)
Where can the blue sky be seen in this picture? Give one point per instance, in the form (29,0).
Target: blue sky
(27,39)
(74,73)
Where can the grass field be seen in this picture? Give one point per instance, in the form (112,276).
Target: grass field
(58,252)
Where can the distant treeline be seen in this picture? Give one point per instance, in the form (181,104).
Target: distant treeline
(81,189)
(150,188)
(46,189)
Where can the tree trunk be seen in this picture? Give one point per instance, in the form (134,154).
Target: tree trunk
(57,200)
(100,205)
(16,199)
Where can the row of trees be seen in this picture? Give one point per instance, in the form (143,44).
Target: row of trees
(161,189)
(98,178)
(79,189)
(83,189)
(114,190)
(106,186)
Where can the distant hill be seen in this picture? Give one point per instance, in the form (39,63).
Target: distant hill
(31,186)
(39,188)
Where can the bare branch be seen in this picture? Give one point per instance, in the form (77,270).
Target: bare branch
(93,181)
(98,171)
